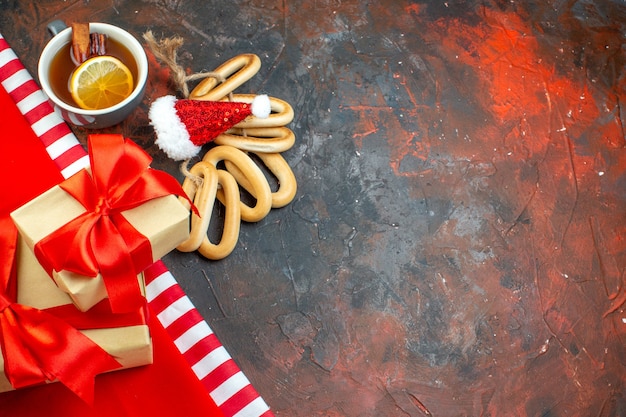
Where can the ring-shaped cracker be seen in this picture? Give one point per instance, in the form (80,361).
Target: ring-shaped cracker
(259,187)
(203,196)
(276,164)
(236,71)
(261,139)
(232,220)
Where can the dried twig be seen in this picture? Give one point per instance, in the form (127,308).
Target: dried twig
(166,50)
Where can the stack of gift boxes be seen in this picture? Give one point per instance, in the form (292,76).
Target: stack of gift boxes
(75,306)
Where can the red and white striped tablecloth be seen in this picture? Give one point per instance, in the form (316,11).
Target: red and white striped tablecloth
(215,368)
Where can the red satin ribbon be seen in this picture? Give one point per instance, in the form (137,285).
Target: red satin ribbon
(101,239)
(45,345)
(99,316)
(38,346)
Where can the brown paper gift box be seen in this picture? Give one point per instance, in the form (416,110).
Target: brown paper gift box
(164,221)
(131,346)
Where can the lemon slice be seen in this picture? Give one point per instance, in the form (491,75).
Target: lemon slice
(101,82)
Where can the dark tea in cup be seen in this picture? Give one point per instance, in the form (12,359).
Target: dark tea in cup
(110,87)
(62,67)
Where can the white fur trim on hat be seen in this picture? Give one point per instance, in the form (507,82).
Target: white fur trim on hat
(172,136)
(261,106)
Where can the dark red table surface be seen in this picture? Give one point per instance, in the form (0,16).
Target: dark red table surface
(457,244)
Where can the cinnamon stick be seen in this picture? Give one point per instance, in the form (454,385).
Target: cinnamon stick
(85,44)
(80,41)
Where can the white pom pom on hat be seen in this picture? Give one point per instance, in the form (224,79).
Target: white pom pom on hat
(182,126)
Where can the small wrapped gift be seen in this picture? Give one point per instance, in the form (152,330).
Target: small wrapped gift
(45,338)
(95,232)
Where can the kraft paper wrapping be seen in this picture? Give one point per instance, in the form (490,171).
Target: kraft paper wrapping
(164,221)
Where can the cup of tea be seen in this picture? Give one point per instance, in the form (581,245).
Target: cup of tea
(56,68)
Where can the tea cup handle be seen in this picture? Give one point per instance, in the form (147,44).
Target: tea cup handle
(56,26)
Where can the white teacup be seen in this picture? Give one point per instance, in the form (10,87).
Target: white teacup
(101,118)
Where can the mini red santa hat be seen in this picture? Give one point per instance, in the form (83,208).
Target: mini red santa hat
(183,126)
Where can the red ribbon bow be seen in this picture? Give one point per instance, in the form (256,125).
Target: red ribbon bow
(39,347)
(101,239)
